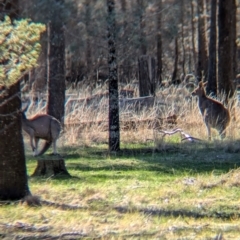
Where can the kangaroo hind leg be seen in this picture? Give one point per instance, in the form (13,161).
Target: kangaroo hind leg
(54,146)
(209,131)
(222,132)
(36,146)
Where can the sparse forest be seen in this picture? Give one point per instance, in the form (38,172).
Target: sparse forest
(140,100)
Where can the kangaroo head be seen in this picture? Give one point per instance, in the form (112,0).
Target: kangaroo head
(200,90)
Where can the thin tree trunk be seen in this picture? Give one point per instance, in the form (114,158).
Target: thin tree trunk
(159,42)
(225,63)
(175,66)
(142,38)
(212,64)
(88,37)
(234,37)
(182,38)
(147,78)
(114,128)
(193,36)
(202,48)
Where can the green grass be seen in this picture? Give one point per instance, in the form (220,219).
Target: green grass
(181,191)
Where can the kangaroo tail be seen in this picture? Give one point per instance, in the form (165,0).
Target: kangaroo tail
(46,146)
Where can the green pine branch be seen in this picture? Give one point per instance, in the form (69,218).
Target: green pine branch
(19,48)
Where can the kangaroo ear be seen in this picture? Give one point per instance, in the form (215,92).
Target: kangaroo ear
(205,84)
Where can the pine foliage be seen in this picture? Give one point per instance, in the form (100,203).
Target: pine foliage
(19,49)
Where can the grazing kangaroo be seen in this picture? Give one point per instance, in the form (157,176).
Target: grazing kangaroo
(42,126)
(215,115)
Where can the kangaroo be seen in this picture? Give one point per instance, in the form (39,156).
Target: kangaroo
(42,126)
(215,115)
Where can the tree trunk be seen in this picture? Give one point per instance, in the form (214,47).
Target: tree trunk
(13,172)
(202,47)
(182,38)
(56,88)
(234,38)
(125,73)
(175,66)
(159,42)
(56,71)
(51,166)
(212,64)
(142,38)
(114,128)
(193,36)
(88,53)
(225,49)
(147,79)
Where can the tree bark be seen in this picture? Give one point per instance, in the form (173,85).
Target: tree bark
(212,63)
(182,38)
(202,47)
(51,166)
(147,78)
(193,36)
(114,128)
(142,38)
(56,70)
(159,41)
(88,36)
(56,88)
(225,49)
(175,66)
(13,172)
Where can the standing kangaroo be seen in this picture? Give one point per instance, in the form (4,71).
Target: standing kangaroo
(215,115)
(42,126)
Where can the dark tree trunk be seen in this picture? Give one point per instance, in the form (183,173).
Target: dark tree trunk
(147,78)
(38,76)
(56,89)
(159,41)
(50,166)
(142,38)
(88,36)
(114,128)
(202,47)
(13,172)
(125,73)
(56,72)
(212,64)
(175,66)
(225,49)
(193,36)
(234,37)
(182,38)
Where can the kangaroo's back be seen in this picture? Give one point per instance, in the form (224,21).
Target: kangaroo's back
(214,113)
(45,126)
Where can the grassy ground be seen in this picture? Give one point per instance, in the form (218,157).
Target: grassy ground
(181,191)
(155,188)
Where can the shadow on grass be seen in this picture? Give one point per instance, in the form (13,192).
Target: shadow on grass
(201,157)
(180,213)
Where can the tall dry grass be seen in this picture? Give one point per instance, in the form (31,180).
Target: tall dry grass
(87,124)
